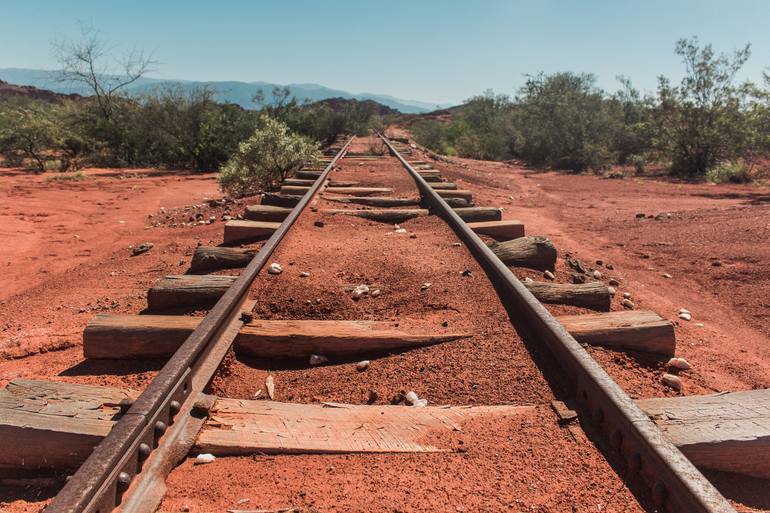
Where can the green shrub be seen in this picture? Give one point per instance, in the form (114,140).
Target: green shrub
(265,158)
(729,172)
(639,163)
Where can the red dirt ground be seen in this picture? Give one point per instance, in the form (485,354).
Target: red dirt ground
(53,286)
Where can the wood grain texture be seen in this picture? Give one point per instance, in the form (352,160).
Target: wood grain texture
(458,193)
(443,185)
(534,252)
(156,336)
(51,425)
(188,290)
(593,295)
(639,330)
(209,258)
(240,427)
(728,431)
(237,230)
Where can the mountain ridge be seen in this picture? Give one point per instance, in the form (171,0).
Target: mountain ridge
(232,91)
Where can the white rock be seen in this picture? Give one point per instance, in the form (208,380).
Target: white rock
(425,286)
(548,275)
(400,230)
(376,293)
(527,279)
(412,235)
(627,303)
(204,458)
(611,290)
(626,295)
(396,227)
(411,397)
(275,268)
(684,310)
(667,276)
(685,316)
(318,359)
(672,381)
(597,275)
(304,274)
(420,403)
(362,365)
(678,363)
(360,291)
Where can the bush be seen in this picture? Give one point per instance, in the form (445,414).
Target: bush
(729,172)
(267,157)
(30,133)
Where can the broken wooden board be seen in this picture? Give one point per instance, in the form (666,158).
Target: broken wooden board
(266,213)
(638,330)
(499,230)
(594,295)
(241,427)
(209,258)
(729,432)
(157,336)
(50,425)
(188,290)
(237,230)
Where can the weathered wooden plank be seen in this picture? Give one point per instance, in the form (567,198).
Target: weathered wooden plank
(50,425)
(443,185)
(298,182)
(638,330)
(594,295)
(280,200)
(188,290)
(240,427)
(293,190)
(458,193)
(479,214)
(308,174)
(534,252)
(499,230)
(377,201)
(237,230)
(729,432)
(382,216)
(301,338)
(358,191)
(156,336)
(267,213)
(209,258)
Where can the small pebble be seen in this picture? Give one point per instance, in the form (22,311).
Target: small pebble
(375,293)
(362,365)
(373,396)
(304,274)
(412,235)
(678,363)
(609,266)
(666,275)
(626,295)
(548,275)
(685,316)
(597,274)
(467,272)
(318,359)
(627,303)
(275,268)
(672,381)
(204,458)
(456,244)
(319,224)
(613,282)
(400,230)
(411,397)
(425,286)
(611,290)
(360,291)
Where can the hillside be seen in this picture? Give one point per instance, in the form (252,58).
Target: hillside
(7,90)
(240,93)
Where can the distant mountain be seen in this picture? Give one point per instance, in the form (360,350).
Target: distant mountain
(240,93)
(45,95)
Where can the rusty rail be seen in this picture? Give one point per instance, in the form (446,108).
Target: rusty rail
(674,481)
(99,483)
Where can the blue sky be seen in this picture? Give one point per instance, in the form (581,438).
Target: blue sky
(435,51)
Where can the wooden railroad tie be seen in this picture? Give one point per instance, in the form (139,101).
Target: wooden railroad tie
(47,425)
(281,200)
(188,290)
(158,336)
(501,231)
(594,295)
(637,330)
(308,174)
(266,213)
(468,214)
(241,231)
(440,186)
(534,252)
(210,258)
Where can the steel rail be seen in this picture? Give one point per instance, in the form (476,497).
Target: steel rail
(674,481)
(99,483)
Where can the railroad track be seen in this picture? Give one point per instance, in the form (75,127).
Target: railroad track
(158,428)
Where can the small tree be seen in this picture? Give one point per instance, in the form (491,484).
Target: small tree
(701,122)
(265,158)
(30,132)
